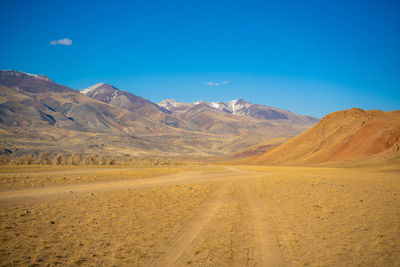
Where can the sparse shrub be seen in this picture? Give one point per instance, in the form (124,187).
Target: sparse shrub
(4,159)
(76,159)
(18,160)
(103,160)
(118,161)
(112,161)
(44,158)
(28,159)
(60,159)
(91,159)
(125,160)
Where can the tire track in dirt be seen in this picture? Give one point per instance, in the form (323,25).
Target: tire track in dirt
(179,178)
(186,177)
(192,234)
(266,251)
(71,171)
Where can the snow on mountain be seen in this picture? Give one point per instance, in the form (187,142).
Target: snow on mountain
(168,104)
(24,75)
(232,107)
(241,107)
(124,99)
(171,104)
(237,106)
(101,91)
(91,88)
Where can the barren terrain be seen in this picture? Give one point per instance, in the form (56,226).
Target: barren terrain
(203,215)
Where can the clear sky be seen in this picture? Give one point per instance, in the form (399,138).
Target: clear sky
(310,57)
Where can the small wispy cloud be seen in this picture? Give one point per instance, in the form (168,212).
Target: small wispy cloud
(64,41)
(216,83)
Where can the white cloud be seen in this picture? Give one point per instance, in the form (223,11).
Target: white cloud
(64,41)
(216,83)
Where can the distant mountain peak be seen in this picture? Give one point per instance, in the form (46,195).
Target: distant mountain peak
(97,87)
(22,75)
(109,94)
(30,82)
(237,105)
(239,100)
(101,91)
(168,101)
(90,88)
(240,107)
(230,107)
(170,104)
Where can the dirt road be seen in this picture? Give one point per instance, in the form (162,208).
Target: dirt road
(231,211)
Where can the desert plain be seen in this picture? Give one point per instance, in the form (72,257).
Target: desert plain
(199,215)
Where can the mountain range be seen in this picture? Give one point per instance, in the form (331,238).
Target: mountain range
(38,114)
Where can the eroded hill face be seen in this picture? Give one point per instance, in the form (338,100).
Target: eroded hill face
(345,135)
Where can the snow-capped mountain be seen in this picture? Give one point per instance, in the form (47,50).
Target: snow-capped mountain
(171,104)
(101,91)
(234,107)
(241,107)
(112,95)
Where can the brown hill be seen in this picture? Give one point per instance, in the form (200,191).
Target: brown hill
(352,134)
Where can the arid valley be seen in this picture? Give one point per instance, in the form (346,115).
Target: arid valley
(200,133)
(86,182)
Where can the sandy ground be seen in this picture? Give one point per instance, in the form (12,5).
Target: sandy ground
(200,216)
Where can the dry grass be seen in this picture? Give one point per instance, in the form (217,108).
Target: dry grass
(334,217)
(103,228)
(209,216)
(39,176)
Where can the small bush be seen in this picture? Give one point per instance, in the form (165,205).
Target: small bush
(28,159)
(44,158)
(103,160)
(76,159)
(4,159)
(60,159)
(91,160)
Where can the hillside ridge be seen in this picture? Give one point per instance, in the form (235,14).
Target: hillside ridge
(343,135)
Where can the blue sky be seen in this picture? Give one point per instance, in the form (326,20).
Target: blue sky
(310,57)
